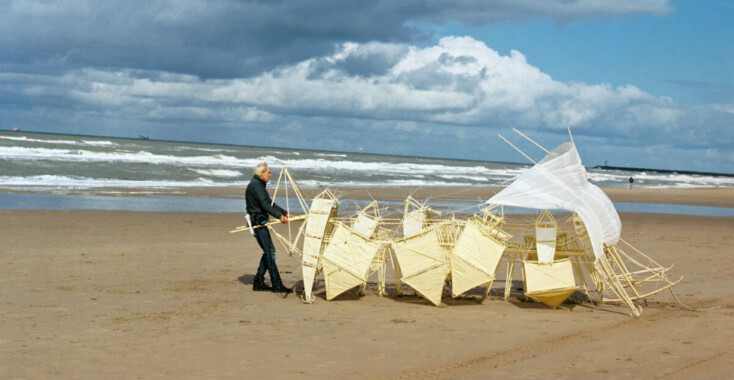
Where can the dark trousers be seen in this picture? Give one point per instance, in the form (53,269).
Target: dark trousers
(267,261)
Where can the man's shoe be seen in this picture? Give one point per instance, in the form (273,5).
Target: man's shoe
(279,288)
(259,285)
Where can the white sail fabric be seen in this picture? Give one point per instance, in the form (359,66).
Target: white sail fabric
(423,263)
(365,225)
(322,209)
(347,260)
(414,223)
(550,284)
(541,277)
(545,242)
(559,181)
(474,259)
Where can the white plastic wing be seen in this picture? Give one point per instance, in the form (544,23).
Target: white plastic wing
(423,263)
(474,259)
(347,260)
(559,182)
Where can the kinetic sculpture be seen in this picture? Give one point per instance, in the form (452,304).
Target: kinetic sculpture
(557,259)
(352,253)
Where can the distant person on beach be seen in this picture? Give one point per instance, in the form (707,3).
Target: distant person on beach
(259,206)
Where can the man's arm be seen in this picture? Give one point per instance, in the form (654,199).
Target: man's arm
(265,204)
(285,214)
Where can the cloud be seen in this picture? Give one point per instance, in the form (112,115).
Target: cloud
(393,98)
(458,81)
(479,12)
(228,39)
(338,75)
(728,108)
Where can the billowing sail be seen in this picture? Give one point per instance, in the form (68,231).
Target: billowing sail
(559,181)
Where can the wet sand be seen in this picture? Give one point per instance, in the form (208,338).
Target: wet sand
(128,295)
(714,197)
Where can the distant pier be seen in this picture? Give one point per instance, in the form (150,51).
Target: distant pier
(665,171)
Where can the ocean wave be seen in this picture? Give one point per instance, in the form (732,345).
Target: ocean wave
(85,182)
(222,173)
(46,181)
(171,165)
(26,139)
(101,143)
(469,177)
(312,184)
(200,149)
(313,165)
(56,181)
(685,179)
(661,180)
(320,165)
(82,155)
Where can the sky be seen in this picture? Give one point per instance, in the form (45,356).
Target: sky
(639,83)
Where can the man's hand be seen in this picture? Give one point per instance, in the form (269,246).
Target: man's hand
(284,219)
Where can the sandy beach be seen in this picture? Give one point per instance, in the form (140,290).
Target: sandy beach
(136,295)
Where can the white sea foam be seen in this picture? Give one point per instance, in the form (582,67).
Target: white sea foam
(26,139)
(14,138)
(313,165)
(83,182)
(469,177)
(223,167)
(661,180)
(607,177)
(200,149)
(223,173)
(685,179)
(82,155)
(101,143)
(311,184)
(54,181)
(388,169)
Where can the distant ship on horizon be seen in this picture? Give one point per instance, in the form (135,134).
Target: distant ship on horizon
(141,137)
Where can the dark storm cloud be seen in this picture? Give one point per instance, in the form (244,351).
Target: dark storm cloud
(208,39)
(227,38)
(481,12)
(365,61)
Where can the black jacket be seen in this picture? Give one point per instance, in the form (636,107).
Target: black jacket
(258,203)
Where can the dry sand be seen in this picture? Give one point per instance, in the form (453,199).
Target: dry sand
(128,295)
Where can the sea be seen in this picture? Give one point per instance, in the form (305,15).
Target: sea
(68,165)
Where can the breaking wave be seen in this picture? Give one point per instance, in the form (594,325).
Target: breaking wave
(84,182)
(222,173)
(102,143)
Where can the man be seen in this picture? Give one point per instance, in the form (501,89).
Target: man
(259,206)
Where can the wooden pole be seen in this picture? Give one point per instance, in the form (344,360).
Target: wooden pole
(532,141)
(570,135)
(245,228)
(517,149)
(277,186)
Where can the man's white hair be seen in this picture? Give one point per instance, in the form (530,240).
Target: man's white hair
(261,168)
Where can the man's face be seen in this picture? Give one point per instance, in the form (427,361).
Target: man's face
(265,176)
